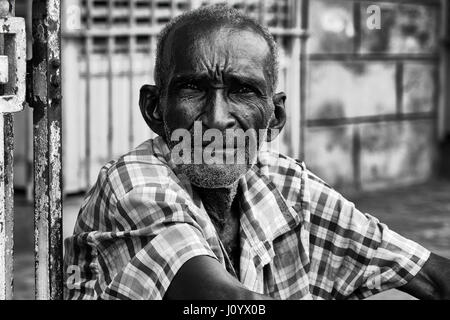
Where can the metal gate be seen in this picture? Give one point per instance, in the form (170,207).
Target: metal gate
(43,85)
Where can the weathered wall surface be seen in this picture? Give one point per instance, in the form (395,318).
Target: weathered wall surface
(372,93)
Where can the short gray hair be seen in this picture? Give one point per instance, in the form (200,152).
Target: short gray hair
(218,13)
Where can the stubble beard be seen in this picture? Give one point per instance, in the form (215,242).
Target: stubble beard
(212,176)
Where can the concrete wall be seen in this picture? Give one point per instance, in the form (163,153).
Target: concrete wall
(372,94)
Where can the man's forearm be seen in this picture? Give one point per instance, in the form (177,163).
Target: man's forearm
(204,278)
(432,281)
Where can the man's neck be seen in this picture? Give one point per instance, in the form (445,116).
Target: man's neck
(218,202)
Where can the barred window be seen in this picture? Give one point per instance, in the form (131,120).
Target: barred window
(139,19)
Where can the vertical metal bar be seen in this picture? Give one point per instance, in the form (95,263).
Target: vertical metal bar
(153,37)
(304,11)
(356,157)
(278,23)
(292,15)
(6,189)
(357,26)
(173,8)
(46,105)
(153,24)
(132,52)
(28,114)
(110,49)
(28,152)
(399,86)
(88,51)
(294,76)
(6,206)
(262,12)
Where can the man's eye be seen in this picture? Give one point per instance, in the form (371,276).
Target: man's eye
(189,86)
(243,89)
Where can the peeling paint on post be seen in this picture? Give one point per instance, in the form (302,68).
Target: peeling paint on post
(6,188)
(46,77)
(6,206)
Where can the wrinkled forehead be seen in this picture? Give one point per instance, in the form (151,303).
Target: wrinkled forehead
(207,48)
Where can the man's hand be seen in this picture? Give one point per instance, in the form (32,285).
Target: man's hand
(432,282)
(204,278)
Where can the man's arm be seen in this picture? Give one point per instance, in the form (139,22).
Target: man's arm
(204,278)
(432,281)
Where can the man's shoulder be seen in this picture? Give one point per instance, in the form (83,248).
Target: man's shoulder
(280,168)
(285,173)
(289,174)
(143,166)
(278,162)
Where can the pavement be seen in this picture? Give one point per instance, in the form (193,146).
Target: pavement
(420,212)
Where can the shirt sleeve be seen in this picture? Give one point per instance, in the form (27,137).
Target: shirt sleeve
(137,251)
(354,255)
(149,273)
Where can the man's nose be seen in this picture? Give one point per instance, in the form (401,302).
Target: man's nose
(217,115)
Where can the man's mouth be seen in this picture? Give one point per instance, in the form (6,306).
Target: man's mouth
(233,145)
(218,150)
(213,154)
(224,152)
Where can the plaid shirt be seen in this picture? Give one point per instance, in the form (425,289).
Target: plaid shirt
(300,239)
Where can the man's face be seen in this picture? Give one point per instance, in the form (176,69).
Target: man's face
(221,78)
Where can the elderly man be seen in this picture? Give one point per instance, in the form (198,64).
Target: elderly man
(157,225)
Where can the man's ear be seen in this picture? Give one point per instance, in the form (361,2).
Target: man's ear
(150,108)
(278,119)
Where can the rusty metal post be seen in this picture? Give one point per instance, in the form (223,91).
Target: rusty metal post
(6,206)
(46,77)
(6,188)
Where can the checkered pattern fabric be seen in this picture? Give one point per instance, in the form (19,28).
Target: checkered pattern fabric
(300,239)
